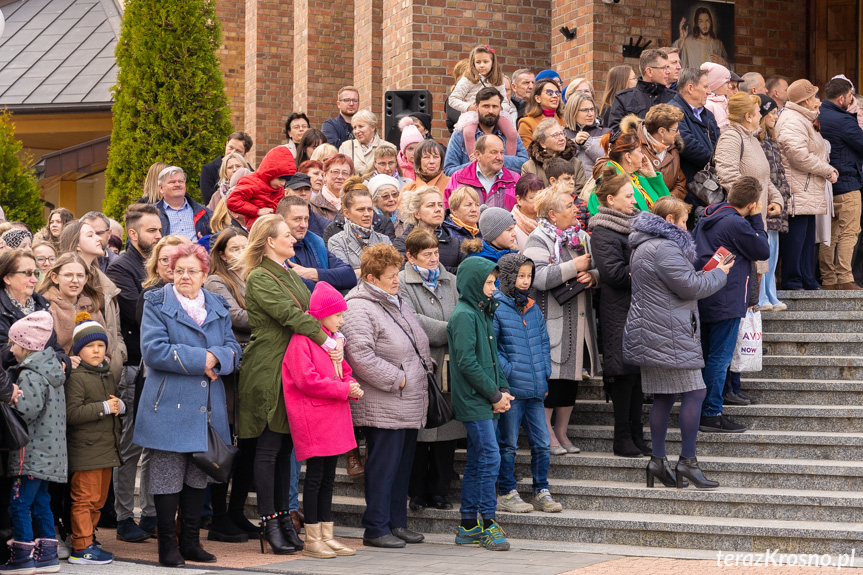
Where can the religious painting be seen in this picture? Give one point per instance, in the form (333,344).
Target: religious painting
(703,32)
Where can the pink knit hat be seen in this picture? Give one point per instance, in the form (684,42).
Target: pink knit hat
(326,301)
(32,332)
(410,134)
(717,75)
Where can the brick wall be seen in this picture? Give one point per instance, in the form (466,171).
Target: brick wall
(368,48)
(232,56)
(268,72)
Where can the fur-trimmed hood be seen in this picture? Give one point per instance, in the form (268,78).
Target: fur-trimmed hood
(540,155)
(635,125)
(647,226)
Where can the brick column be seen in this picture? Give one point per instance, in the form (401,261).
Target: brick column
(368,21)
(268,73)
(323,58)
(232,56)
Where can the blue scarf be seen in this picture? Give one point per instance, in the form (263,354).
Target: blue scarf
(429,277)
(520,297)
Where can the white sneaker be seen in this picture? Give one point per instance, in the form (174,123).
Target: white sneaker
(542,501)
(779,307)
(766,307)
(513,503)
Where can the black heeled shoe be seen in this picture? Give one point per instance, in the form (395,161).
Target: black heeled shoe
(659,468)
(271,534)
(286,523)
(688,467)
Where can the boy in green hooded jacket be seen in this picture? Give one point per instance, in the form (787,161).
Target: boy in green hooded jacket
(479,394)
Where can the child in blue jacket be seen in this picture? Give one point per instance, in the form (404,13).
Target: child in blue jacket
(524,353)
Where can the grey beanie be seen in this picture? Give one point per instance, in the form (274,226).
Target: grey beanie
(493,222)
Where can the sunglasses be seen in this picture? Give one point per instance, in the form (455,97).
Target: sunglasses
(28,273)
(551,93)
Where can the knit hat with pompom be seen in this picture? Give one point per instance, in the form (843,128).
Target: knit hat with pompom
(87,330)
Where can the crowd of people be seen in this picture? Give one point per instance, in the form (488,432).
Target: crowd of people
(303,308)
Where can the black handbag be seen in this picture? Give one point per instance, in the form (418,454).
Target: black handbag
(218,460)
(567,290)
(439,410)
(13,429)
(705,185)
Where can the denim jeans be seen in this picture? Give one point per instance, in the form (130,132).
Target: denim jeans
(29,507)
(732,383)
(768,281)
(294,491)
(530,414)
(478,495)
(717,344)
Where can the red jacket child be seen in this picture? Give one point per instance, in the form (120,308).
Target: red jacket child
(315,397)
(255,192)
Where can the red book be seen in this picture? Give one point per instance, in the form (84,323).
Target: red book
(721,256)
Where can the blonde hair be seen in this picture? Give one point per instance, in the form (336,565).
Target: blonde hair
(223,178)
(324,152)
(365,116)
(460,69)
(570,111)
(460,194)
(671,206)
(549,200)
(152,265)
(740,104)
(264,228)
(414,199)
(151,182)
(221,217)
(570,90)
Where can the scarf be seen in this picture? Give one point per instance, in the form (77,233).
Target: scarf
(334,200)
(520,296)
(568,237)
(426,178)
(194,307)
(549,113)
(524,223)
(659,149)
(473,230)
(394,217)
(612,219)
(393,299)
(27,307)
(361,234)
(636,183)
(429,277)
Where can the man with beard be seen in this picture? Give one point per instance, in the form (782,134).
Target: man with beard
(144,230)
(461,150)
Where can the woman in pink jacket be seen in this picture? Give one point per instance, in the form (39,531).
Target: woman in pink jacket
(320,418)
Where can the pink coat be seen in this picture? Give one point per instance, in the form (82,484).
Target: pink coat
(316,400)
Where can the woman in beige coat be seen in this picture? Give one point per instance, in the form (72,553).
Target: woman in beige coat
(361,148)
(807,168)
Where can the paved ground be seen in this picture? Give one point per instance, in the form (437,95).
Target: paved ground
(438,556)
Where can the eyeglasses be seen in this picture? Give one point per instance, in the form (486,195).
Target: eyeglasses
(45,259)
(389,196)
(73,276)
(551,93)
(675,130)
(666,67)
(28,273)
(340,173)
(164,260)
(191,273)
(557,135)
(587,110)
(350,100)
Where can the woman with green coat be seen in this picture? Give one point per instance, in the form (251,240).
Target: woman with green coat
(626,155)
(276,300)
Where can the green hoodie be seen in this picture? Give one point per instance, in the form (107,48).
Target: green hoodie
(475,376)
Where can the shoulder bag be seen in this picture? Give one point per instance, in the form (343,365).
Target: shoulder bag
(705,185)
(13,430)
(439,410)
(218,459)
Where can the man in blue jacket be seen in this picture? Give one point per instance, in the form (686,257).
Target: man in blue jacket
(698,128)
(737,226)
(312,261)
(840,128)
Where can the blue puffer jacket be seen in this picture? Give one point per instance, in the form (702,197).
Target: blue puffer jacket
(523,348)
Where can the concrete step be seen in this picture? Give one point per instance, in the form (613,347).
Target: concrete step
(763,417)
(752,444)
(641,529)
(755,473)
(773,391)
(809,344)
(842,367)
(811,321)
(821,301)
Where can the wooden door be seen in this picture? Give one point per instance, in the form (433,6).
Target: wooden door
(834,29)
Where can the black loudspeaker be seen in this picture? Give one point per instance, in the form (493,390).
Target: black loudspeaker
(401,103)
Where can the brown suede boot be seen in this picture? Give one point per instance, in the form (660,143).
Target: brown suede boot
(353,465)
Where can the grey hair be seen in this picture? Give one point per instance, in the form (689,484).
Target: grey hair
(520,72)
(96,216)
(414,200)
(750,80)
(365,116)
(170,171)
(690,76)
(540,133)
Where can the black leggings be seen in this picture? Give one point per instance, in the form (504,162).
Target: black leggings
(318,489)
(272,459)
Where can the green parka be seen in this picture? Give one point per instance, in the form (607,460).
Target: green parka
(274,317)
(476,379)
(93,435)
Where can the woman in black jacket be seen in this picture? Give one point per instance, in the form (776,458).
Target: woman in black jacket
(610,229)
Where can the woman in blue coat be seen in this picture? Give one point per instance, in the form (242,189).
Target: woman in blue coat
(189,345)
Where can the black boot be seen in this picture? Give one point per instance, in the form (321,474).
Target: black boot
(286,523)
(636,429)
(223,529)
(659,468)
(621,388)
(191,503)
(688,467)
(271,534)
(636,426)
(169,554)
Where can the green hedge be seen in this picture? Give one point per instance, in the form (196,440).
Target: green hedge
(19,193)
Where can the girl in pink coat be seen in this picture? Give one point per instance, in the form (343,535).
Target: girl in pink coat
(316,398)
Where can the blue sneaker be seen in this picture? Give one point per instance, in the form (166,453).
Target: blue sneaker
(91,555)
(468,536)
(494,538)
